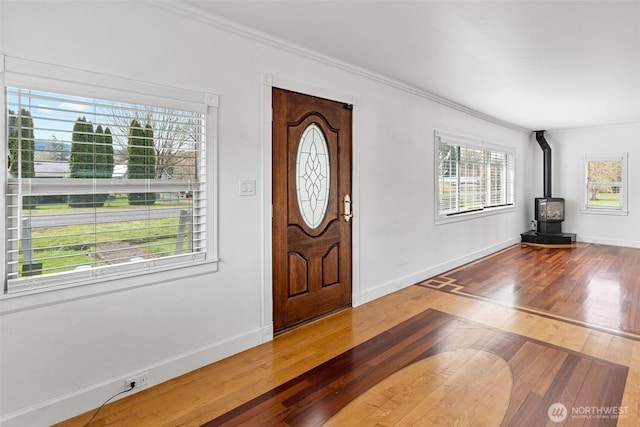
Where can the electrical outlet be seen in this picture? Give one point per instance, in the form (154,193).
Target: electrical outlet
(141,380)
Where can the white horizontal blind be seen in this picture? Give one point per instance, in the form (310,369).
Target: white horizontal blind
(472,176)
(500,191)
(100,186)
(448,177)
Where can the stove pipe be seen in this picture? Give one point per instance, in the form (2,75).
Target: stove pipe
(546,150)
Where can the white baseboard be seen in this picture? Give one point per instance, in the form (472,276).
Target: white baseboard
(411,279)
(611,242)
(79,401)
(267,333)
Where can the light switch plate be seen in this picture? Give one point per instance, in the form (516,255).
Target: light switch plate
(247,187)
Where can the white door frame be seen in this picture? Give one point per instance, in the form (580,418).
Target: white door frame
(268,82)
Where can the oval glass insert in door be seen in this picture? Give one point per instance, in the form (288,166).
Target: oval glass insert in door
(313,176)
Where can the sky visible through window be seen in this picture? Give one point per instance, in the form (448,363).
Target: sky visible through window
(54,116)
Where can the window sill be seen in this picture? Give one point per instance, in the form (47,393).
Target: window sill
(604,211)
(37,298)
(473,215)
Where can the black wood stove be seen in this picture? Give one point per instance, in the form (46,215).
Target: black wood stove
(549,211)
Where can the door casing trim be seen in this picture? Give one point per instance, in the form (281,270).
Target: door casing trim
(270,81)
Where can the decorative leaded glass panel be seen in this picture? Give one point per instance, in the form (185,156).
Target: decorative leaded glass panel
(313,176)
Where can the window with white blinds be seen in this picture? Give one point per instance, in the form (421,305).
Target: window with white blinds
(98,188)
(472,176)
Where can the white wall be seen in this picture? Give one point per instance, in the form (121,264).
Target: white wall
(568,148)
(59,359)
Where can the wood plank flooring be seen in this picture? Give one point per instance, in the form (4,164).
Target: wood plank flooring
(542,374)
(595,285)
(358,363)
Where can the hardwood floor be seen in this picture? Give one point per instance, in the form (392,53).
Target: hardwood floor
(537,375)
(424,356)
(594,285)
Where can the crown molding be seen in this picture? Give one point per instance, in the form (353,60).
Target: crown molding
(595,127)
(199,15)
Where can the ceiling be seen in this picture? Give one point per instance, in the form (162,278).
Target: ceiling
(536,64)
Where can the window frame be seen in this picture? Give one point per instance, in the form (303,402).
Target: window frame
(623,209)
(488,148)
(33,75)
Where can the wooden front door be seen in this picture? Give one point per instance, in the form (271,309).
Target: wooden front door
(311,207)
